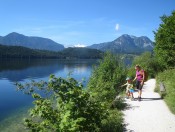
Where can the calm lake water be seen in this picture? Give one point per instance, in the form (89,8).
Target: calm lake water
(14,105)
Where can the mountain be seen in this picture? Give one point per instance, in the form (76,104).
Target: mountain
(126,44)
(16,39)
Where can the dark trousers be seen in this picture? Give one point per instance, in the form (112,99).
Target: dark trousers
(139,85)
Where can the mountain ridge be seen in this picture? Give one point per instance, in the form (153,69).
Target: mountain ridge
(126,44)
(16,39)
(123,44)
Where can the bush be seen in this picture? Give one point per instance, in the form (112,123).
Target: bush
(104,84)
(113,123)
(106,78)
(64,106)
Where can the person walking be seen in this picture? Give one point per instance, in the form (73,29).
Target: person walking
(129,88)
(139,77)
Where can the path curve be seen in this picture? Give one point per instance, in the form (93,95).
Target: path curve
(149,115)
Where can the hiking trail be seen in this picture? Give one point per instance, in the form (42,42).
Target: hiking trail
(151,114)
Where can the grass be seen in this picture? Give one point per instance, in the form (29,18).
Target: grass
(167,78)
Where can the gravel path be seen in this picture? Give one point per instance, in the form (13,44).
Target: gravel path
(149,115)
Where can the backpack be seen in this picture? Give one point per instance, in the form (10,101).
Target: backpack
(146,76)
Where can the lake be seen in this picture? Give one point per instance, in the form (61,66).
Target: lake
(14,104)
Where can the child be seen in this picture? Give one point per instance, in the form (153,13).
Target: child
(129,88)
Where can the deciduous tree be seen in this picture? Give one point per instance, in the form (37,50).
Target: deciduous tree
(165,41)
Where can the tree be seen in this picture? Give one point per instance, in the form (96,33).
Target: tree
(107,77)
(165,41)
(62,106)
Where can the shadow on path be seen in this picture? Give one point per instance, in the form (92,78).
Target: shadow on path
(150,99)
(127,130)
(127,106)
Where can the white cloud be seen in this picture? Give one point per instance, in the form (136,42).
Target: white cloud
(117,27)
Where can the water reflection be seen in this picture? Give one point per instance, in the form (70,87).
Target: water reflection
(19,70)
(23,70)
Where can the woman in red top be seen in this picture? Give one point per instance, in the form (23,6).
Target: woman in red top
(140,75)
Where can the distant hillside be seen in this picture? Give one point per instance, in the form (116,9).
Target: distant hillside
(16,39)
(67,53)
(126,44)
(85,53)
(23,52)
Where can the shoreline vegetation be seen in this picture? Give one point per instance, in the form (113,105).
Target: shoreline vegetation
(71,53)
(68,53)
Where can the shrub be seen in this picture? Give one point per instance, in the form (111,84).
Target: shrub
(104,85)
(106,78)
(62,105)
(113,123)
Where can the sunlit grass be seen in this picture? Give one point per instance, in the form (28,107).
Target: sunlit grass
(167,77)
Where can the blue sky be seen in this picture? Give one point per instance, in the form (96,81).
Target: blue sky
(83,22)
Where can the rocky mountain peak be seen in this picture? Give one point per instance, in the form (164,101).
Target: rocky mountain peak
(127,44)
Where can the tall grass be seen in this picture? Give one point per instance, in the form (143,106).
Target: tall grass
(167,78)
